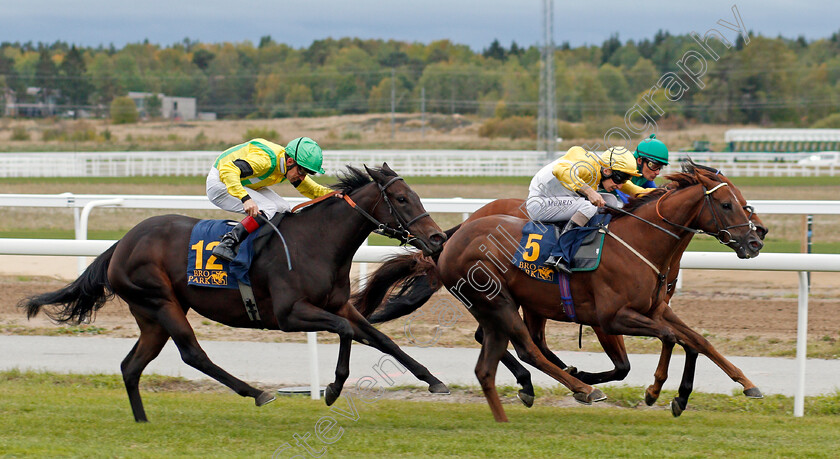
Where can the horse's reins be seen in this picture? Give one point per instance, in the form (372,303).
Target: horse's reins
(619,209)
(719,234)
(401,232)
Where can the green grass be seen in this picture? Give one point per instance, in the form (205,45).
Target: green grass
(48,415)
(771,245)
(786,181)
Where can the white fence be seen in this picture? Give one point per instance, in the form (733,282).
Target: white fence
(406,162)
(801,263)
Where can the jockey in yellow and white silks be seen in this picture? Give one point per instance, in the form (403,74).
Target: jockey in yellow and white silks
(240,177)
(567,189)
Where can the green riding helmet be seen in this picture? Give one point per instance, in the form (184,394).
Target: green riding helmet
(307,153)
(652,148)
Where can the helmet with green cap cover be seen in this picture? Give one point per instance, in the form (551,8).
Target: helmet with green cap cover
(307,153)
(652,148)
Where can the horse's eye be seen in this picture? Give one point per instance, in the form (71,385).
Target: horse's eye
(727,205)
(402,200)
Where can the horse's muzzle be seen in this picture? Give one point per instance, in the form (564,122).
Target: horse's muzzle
(749,248)
(433,245)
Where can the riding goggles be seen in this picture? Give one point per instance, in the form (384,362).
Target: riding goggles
(618,177)
(654,165)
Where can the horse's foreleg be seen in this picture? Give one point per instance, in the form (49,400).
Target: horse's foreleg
(342,371)
(679,404)
(152,339)
(628,321)
(691,338)
(614,347)
(660,375)
(366,333)
(522,375)
(303,316)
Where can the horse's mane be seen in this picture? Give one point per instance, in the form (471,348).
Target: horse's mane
(354,178)
(678,180)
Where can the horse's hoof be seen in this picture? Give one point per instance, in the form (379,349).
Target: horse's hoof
(580,397)
(753,392)
(439,388)
(571,370)
(264,398)
(677,408)
(330,394)
(650,399)
(597,396)
(526,398)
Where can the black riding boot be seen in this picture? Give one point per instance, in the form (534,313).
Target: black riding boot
(557,262)
(228,246)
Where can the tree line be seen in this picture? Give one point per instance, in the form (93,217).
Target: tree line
(763,80)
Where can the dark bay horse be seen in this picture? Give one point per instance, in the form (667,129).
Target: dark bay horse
(623,296)
(147,268)
(420,287)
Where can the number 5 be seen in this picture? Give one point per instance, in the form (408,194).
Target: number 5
(532,248)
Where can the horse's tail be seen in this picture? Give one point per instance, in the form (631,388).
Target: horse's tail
(81,299)
(418,276)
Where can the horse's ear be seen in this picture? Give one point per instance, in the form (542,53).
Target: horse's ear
(388,170)
(374,174)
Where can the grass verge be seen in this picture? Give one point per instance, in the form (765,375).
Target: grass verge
(84,416)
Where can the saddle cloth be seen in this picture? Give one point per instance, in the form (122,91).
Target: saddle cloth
(205,270)
(582,245)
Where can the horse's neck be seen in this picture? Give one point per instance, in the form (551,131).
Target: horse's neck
(334,227)
(664,249)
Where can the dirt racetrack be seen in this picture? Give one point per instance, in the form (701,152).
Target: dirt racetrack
(740,312)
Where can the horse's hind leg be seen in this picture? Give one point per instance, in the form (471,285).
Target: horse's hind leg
(522,375)
(536,328)
(493,347)
(152,339)
(529,353)
(174,320)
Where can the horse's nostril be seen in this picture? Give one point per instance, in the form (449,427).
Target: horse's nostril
(438,238)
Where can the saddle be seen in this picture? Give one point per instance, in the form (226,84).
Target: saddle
(581,245)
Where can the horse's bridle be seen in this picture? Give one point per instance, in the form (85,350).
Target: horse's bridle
(721,232)
(401,232)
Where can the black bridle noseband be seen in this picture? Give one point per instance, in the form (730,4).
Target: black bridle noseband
(401,232)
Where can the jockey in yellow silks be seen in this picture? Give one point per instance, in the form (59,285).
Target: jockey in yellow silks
(240,177)
(567,189)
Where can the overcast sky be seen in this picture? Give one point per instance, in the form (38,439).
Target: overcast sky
(472,22)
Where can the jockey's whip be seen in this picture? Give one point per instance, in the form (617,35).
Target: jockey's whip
(282,239)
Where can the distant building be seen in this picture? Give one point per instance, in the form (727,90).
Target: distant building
(172,108)
(30,104)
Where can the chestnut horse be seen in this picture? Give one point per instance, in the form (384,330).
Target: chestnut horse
(623,296)
(420,288)
(148,269)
